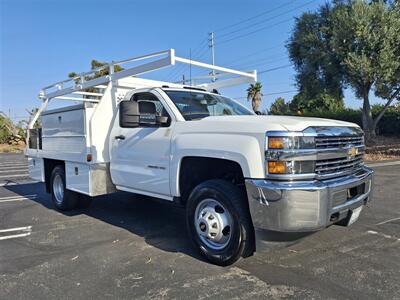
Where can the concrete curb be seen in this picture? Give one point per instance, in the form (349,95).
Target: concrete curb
(383,164)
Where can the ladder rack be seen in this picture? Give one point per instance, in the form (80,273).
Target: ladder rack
(76,86)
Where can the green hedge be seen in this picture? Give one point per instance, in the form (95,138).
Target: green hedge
(388,125)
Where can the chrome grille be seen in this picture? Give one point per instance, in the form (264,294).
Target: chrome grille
(337,166)
(338,141)
(342,165)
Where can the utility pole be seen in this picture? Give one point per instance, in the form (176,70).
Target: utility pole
(190,66)
(212,46)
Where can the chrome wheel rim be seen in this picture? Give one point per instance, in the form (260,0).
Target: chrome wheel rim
(213,224)
(58,189)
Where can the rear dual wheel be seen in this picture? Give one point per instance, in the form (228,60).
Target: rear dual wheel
(63,198)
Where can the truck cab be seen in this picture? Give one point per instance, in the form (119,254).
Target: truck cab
(239,176)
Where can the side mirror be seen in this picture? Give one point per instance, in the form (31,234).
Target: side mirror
(162,120)
(128,114)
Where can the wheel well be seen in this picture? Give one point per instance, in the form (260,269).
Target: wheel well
(49,165)
(195,170)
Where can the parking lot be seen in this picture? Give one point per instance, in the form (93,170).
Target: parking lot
(127,246)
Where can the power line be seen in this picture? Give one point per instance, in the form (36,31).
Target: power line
(252,32)
(264,27)
(278,93)
(182,67)
(203,44)
(267,20)
(254,17)
(274,69)
(176,71)
(201,55)
(258,62)
(197,54)
(250,58)
(252,54)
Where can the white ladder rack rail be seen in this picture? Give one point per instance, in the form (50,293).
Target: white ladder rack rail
(77,85)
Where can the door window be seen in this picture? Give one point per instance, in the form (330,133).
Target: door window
(149,97)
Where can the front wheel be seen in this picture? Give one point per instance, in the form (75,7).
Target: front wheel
(219,222)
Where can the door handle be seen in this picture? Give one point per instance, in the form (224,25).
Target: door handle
(120,137)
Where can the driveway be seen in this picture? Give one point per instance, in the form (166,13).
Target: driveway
(126,246)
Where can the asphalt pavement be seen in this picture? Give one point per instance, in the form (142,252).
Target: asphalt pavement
(132,247)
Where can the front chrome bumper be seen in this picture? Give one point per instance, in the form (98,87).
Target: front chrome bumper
(303,206)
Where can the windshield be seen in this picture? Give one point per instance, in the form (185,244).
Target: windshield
(197,105)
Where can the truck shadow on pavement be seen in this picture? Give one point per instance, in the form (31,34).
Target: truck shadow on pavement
(162,225)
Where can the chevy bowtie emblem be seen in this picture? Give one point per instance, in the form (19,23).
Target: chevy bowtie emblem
(352,152)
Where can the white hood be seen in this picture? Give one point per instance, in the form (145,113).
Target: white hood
(268,123)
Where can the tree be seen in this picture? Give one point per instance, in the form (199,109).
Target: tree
(279,107)
(387,85)
(366,40)
(348,44)
(95,64)
(254,94)
(321,102)
(9,133)
(319,74)
(5,124)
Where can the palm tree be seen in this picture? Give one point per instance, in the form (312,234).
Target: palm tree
(254,94)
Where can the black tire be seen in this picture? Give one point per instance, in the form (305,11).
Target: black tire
(233,199)
(62,201)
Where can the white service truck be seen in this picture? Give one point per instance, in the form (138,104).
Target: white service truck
(241,176)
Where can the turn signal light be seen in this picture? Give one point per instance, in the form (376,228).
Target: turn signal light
(276,167)
(275,143)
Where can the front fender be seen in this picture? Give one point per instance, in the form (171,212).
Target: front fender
(246,150)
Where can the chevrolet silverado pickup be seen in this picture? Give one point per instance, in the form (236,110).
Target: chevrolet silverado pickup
(240,176)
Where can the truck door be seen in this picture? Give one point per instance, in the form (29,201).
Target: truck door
(140,155)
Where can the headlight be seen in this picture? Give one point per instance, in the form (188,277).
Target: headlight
(290,167)
(278,145)
(291,142)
